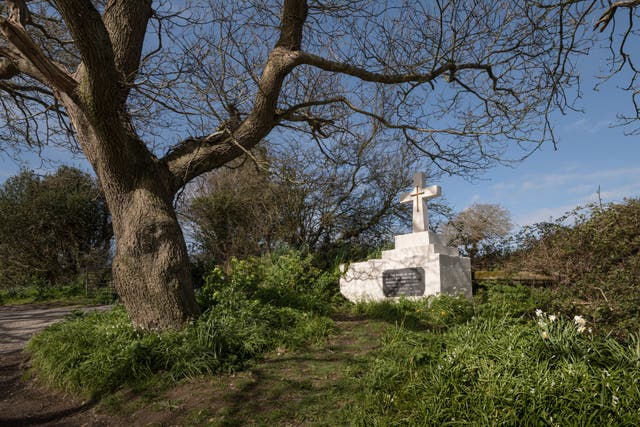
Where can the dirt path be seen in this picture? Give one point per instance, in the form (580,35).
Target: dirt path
(284,388)
(22,402)
(19,322)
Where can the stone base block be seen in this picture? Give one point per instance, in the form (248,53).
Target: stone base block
(412,274)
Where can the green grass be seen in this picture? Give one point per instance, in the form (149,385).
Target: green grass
(499,372)
(507,364)
(244,317)
(268,352)
(100,352)
(66,294)
(520,370)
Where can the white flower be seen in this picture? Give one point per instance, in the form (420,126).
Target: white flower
(539,312)
(579,320)
(615,400)
(552,318)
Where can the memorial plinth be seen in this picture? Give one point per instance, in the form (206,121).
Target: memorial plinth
(420,265)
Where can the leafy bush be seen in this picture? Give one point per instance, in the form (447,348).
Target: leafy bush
(288,279)
(51,227)
(595,263)
(99,352)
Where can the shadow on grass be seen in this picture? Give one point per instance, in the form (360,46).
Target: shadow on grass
(303,387)
(49,417)
(282,391)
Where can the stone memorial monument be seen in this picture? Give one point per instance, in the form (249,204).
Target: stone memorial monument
(420,265)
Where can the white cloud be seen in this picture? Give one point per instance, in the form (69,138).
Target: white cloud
(581,189)
(619,193)
(475,198)
(588,126)
(504,186)
(548,196)
(546,181)
(542,215)
(575,182)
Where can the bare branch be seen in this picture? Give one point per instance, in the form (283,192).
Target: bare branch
(369,76)
(289,114)
(196,156)
(608,15)
(29,59)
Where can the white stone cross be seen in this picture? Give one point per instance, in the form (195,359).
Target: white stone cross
(419,197)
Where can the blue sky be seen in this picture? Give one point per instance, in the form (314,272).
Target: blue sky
(591,154)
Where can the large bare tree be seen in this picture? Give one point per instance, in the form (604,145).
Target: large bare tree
(157,93)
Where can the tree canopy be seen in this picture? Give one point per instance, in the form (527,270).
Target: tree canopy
(51,227)
(457,81)
(478,227)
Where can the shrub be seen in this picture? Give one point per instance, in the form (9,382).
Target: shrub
(51,227)
(288,279)
(596,263)
(99,352)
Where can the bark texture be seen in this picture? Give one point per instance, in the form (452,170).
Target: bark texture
(151,268)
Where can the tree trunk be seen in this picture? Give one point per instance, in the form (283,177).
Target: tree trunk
(151,268)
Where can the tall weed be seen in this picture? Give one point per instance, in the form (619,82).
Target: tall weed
(499,371)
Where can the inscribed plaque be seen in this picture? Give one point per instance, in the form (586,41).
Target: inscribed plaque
(408,282)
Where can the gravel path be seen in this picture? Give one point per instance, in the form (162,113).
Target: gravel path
(19,322)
